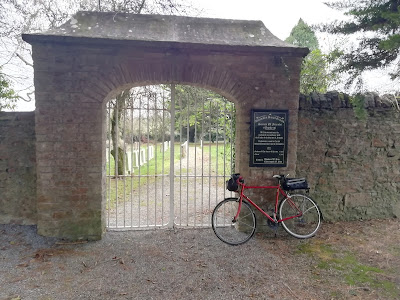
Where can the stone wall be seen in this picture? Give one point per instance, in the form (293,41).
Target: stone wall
(352,165)
(17,168)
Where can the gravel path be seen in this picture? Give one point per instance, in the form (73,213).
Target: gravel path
(194,264)
(162,264)
(193,205)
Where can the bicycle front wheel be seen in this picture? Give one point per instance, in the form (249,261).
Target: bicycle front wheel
(304,216)
(228,230)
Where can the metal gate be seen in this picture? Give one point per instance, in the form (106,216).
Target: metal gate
(169,151)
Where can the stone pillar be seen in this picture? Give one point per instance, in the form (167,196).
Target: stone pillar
(69,148)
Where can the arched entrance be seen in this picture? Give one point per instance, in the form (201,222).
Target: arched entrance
(83,64)
(176,148)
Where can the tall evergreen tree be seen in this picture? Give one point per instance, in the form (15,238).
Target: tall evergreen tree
(378,23)
(302,35)
(315,75)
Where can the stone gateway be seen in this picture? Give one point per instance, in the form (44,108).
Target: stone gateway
(82,64)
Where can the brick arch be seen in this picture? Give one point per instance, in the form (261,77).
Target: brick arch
(103,86)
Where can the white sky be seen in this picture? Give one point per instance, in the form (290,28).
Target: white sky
(279,16)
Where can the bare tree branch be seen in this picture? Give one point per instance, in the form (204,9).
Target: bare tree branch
(29,97)
(141,7)
(24,60)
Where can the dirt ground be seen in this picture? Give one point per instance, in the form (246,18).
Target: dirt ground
(346,260)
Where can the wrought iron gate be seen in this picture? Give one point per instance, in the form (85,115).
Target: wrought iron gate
(169,152)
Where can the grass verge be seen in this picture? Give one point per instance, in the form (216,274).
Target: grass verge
(355,274)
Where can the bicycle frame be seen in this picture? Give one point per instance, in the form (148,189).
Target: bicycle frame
(279,191)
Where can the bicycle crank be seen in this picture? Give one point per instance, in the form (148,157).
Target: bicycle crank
(272,224)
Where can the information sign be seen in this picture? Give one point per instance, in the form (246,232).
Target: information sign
(269,138)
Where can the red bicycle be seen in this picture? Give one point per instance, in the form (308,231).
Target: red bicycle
(234,221)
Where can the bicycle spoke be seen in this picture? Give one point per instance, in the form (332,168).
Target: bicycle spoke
(247,225)
(245,216)
(304,212)
(233,233)
(305,225)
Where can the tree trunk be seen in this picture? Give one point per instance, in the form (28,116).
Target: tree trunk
(119,156)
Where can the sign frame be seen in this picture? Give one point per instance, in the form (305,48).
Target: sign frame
(275,138)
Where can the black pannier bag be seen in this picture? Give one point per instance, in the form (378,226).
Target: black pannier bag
(290,184)
(231,184)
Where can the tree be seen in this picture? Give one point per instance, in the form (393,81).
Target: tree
(197,109)
(153,101)
(8,97)
(377,24)
(117,152)
(302,35)
(202,115)
(315,75)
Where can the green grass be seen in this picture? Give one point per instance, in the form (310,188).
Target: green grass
(151,168)
(354,273)
(126,184)
(220,158)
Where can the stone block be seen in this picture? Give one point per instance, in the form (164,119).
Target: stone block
(387,101)
(378,143)
(334,98)
(369,100)
(396,209)
(357,199)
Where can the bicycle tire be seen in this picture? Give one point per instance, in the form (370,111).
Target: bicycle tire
(233,233)
(304,226)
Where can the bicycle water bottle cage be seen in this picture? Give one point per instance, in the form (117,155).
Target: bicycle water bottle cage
(231,184)
(290,184)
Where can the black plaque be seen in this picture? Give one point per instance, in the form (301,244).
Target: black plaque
(268,138)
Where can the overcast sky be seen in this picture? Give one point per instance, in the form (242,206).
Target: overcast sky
(279,16)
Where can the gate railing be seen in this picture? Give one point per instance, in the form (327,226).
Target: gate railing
(176,154)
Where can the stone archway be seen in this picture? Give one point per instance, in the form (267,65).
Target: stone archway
(82,64)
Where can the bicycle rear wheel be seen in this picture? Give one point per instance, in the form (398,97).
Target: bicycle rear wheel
(229,231)
(308,221)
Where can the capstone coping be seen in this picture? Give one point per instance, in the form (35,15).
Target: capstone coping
(176,31)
